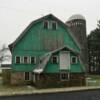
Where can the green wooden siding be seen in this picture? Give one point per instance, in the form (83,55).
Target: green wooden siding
(74,68)
(22,66)
(77,68)
(37,41)
(52,68)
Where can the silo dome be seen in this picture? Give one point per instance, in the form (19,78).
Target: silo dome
(76,16)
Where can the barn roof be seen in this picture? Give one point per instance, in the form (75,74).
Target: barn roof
(11,46)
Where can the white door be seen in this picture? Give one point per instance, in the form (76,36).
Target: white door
(64,60)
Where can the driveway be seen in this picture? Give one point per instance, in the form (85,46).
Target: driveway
(79,95)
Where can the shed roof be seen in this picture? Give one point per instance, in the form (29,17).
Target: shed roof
(45,58)
(42,64)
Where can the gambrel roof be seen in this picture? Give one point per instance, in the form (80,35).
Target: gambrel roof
(11,46)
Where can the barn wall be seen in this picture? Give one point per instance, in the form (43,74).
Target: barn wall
(53,80)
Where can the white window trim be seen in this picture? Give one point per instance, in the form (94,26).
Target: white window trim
(52,23)
(28,60)
(75,58)
(52,59)
(34,60)
(29,76)
(66,78)
(47,22)
(20,60)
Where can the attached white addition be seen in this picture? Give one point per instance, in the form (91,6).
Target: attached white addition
(64,60)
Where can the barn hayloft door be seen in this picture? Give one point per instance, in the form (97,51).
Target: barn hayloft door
(64,60)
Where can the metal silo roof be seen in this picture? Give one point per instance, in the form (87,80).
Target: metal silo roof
(76,16)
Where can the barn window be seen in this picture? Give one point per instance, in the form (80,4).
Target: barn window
(33,60)
(27,76)
(26,60)
(64,76)
(74,60)
(54,59)
(46,24)
(18,59)
(54,25)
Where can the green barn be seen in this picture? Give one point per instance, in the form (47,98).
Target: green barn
(46,55)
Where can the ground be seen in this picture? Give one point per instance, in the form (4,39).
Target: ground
(93,82)
(74,95)
(9,91)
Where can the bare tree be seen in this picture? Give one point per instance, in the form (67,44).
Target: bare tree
(3,54)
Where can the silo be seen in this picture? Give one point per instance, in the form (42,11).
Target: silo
(77,26)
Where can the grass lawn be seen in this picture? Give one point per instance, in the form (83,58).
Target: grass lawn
(5,88)
(94,76)
(20,90)
(93,80)
(9,90)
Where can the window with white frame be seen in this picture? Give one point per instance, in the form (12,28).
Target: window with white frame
(54,25)
(33,60)
(73,59)
(18,59)
(46,24)
(64,76)
(54,59)
(26,60)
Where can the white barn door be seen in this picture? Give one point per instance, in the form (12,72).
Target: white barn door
(64,60)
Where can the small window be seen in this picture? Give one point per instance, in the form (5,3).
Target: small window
(26,60)
(18,60)
(46,24)
(27,76)
(33,60)
(64,76)
(74,60)
(54,25)
(54,59)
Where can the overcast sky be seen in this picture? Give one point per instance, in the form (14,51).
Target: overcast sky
(15,15)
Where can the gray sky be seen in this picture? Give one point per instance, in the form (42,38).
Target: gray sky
(15,15)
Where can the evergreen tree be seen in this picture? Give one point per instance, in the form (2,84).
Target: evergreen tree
(94,49)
